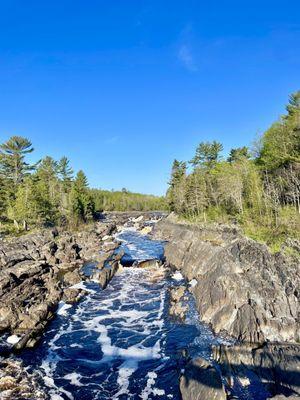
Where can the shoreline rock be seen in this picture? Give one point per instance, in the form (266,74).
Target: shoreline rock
(244,291)
(241,288)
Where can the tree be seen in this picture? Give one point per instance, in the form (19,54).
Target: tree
(12,159)
(65,172)
(196,193)
(33,204)
(207,154)
(82,204)
(238,154)
(176,191)
(294,103)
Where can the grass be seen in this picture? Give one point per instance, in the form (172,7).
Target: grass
(262,229)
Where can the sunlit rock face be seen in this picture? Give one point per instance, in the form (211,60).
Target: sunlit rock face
(241,288)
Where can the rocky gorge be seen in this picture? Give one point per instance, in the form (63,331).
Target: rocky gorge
(38,272)
(245,292)
(248,296)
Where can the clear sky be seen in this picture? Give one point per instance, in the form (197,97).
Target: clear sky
(122,87)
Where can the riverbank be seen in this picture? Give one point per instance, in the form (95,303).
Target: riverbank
(41,276)
(244,291)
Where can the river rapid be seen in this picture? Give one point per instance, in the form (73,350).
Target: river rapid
(120,343)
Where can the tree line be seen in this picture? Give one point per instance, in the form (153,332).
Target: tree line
(48,194)
(125,200)
(258,188)
(41,194)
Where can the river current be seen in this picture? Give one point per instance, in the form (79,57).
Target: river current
(120,343)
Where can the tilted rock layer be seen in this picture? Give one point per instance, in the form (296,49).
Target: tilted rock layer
(241,288)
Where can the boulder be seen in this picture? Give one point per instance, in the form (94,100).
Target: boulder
(153,263)
(71,278)
(109,246)
(17,383)
(178,305)
(201,381)
(277,365)
(104,276)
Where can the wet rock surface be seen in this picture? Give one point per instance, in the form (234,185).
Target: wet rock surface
(37,271)
(16,383)
(178,302)
(245,291)
(276,365)
(201,381)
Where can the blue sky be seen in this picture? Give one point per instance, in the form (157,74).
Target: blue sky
(122,87)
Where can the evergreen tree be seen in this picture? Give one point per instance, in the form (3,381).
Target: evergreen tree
(12,159)
(207,154)
(238,154)
(176,192)
(82,204)
(65,172)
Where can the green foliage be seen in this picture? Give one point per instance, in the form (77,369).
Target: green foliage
(261,194)
(46,194)
(12,159)
(82,203)
(238,154)
(126,201)
(207,154)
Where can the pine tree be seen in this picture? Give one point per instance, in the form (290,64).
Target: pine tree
(82,204)
(207,154)
(12,159)
(65,172)
(239,154)
(175,194)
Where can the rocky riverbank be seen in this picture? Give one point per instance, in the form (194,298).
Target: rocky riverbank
(244,291)
(37,272)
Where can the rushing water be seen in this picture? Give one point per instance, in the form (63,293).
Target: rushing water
(119,343)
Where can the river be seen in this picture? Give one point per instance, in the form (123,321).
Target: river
(120,343)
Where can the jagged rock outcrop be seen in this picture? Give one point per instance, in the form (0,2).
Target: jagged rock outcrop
(38,270)
(201,381)
(241,288)
(244,290)
(17,383)
(277,365)
(178,302)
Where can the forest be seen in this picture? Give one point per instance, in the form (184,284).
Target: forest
(257,188)
(48,194)
(125,200)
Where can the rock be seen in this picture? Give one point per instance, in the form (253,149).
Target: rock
(138,219)
(17,383)
(104,276)
(177,307)
(242,288)
(72,277)
(276,365)
(146,230)
(178,310)
(107,238)
(201,381)
(109,246)
(72,295)
(153,263)
(177,293)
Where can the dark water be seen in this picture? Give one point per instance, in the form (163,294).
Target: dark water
(120,343)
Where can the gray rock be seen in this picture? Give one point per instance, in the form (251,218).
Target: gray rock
(276,365)
(242,288)
(153,263)
(201,381)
